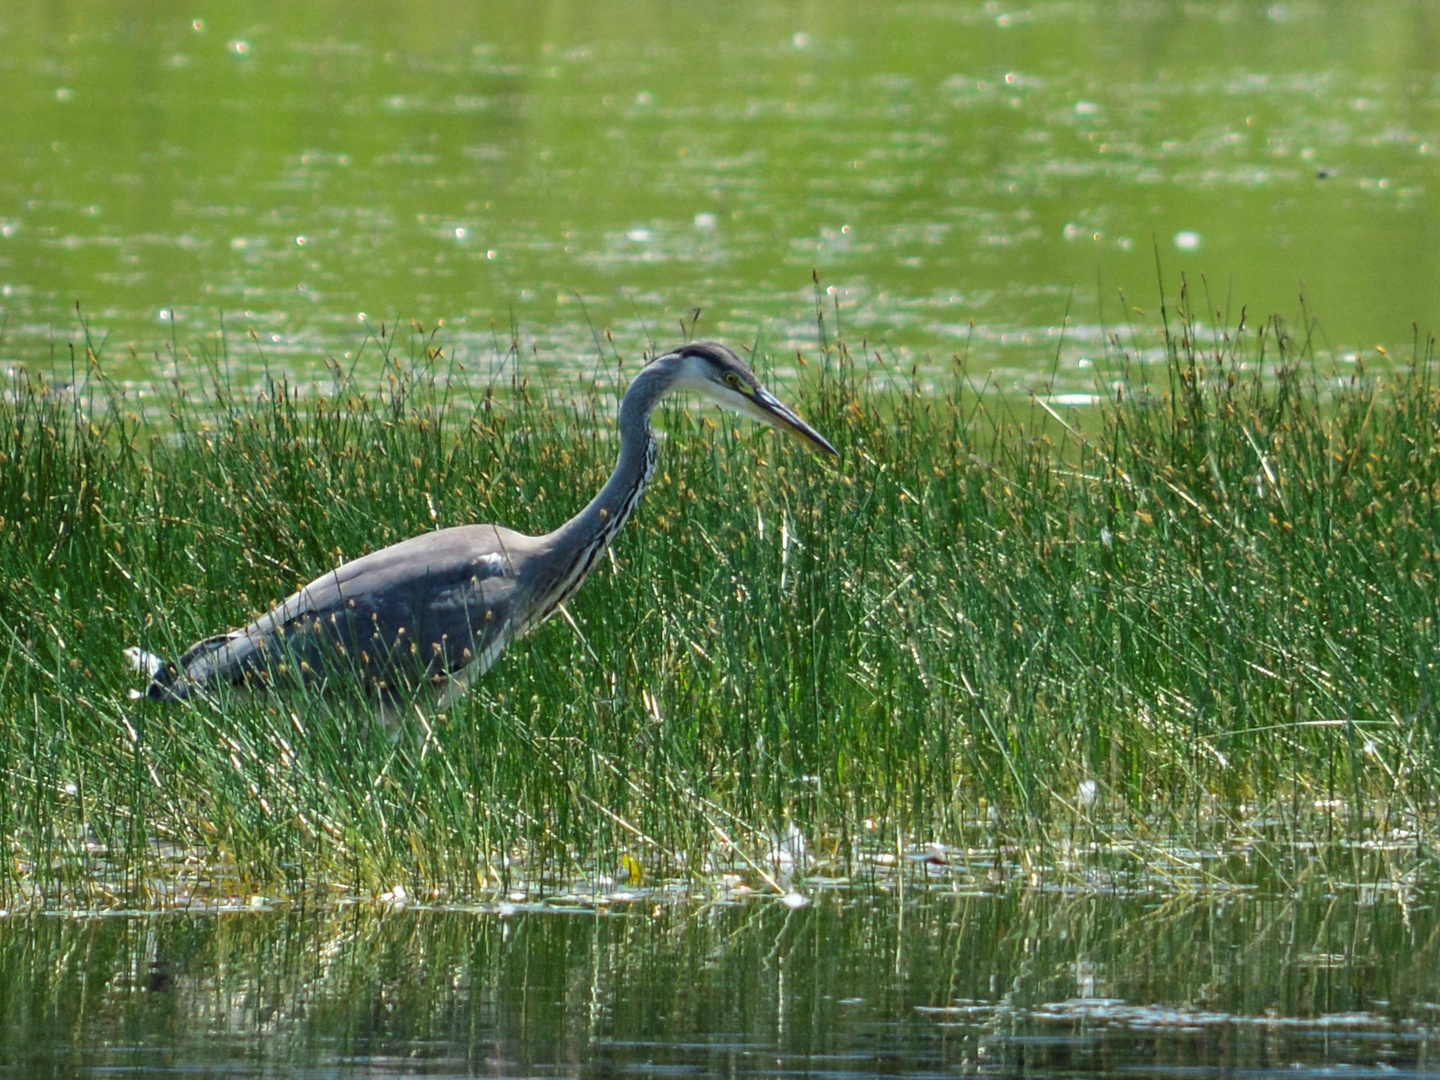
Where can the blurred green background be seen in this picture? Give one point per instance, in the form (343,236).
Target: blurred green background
(292,167)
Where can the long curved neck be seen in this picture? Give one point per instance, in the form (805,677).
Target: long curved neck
(577,545)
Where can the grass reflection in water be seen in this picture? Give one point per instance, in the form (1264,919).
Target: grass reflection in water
(1014,980)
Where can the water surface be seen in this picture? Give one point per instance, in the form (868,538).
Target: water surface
(922,982)
(959,174)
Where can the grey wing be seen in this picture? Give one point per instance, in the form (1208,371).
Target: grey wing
(417,611)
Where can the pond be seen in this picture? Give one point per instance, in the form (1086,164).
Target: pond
(567,183)
(960,176)
(921,981)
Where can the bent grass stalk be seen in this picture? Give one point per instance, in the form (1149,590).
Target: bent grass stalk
(1206,621)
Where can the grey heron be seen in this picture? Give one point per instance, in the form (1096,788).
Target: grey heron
(437,610)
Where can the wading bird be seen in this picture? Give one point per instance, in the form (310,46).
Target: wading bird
(437,610)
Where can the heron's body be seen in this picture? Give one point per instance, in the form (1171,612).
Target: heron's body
(439,609)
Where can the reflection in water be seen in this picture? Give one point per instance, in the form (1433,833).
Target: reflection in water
(855,984)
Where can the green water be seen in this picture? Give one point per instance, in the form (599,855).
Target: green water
(923,982)
(938,163)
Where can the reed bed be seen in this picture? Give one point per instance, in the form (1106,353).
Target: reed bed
(1197,619)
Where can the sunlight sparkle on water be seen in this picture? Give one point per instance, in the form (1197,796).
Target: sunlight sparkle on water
(1021,159)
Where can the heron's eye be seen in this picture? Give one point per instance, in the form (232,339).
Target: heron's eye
(732,380)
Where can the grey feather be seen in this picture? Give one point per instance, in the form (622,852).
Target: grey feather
(419,610)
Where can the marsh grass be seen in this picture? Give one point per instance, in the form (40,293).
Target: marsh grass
(1202,626)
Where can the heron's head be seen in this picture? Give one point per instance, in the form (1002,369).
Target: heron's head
(714,371)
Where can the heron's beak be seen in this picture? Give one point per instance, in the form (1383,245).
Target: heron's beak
(766,408)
